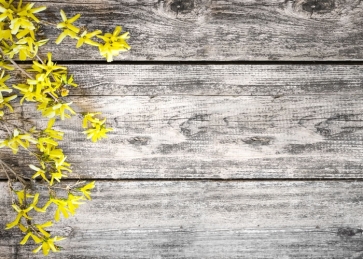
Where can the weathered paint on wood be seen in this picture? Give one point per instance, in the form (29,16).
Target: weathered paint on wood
(305,136)
(207,219)
(218,30)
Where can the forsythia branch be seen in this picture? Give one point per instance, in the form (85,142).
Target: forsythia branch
(46,86)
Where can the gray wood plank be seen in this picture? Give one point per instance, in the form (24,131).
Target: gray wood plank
(209,219)
(305,136)
(219,30)
(273,80)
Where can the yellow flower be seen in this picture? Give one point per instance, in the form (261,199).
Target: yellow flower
(5,65)
(6,13)
(21,22)
(30,234)
(68,81)
(86,38)
(21,196)
(48,244)
(61,207)
(48,67)
(86,189)
(3,86)
(39,172)
(41,227)
(29,12)
(114,43)
(5,33)
(5,102)
(56,176)
(23,212)
(67,23)
(51,132)
(61,164)
(27,47)
(73,202)
(64,34)
(89,117)
(18,140)
(61,108)
(97,133)
(56,110)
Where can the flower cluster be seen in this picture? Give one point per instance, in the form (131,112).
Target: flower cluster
(27,204)
(18,28)
(112,45)
(48,86)
(96,128)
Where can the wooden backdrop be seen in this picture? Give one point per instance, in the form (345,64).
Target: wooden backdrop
(238,131)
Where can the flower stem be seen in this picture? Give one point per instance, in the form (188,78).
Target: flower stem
(19,178)
(15,64)
(48,23)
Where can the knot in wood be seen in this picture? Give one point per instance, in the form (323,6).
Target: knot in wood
(182,6)
(315,6)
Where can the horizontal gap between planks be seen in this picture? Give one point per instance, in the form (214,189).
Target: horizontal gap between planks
(213,179)
(158,62)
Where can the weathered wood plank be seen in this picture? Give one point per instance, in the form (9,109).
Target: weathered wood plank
(305,136)
(219,30)
(207,220)
(274,80)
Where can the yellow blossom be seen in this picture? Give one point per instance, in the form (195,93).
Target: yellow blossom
(41,227)
(39,172)
(97,133)
(114,43)
(29,12)
(24,212)
(48,244)
(61,207)
(86,38)
(5,102)
(3,86)
(67,23)
(5,33)
(64,34)
(18,140)
(73,202)
(48,67)
(86,189)
(89,117)
(30,234)
(6,13)
(21,196)
(56,176)
(20,22)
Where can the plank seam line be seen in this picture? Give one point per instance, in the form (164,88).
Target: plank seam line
(349,179)
(197,62)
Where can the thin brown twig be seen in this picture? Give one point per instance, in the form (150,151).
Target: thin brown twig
(48,23)
(21,179)
(10,185)
(15,64)
(6,127)
(7,175)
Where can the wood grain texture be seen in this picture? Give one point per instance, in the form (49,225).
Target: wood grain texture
(203,219)
(219,30)
(194,79)
(305,136)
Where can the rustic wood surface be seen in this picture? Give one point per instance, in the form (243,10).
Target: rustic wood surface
(217,158)
(217,121)
(208,219)
(219,30)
